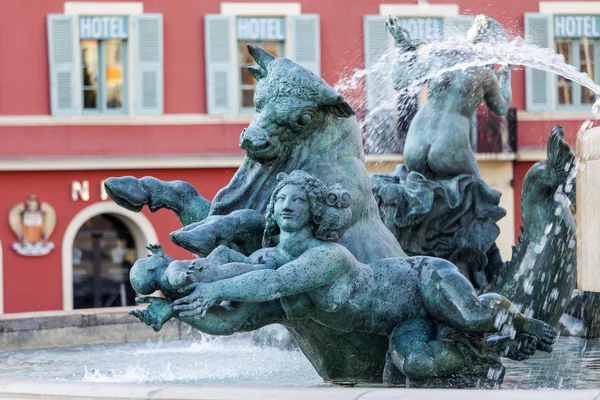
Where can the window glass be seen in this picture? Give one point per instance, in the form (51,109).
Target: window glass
(103,75)
(113,73)
(89,63)
(565,86)
(588,65)
(247,81)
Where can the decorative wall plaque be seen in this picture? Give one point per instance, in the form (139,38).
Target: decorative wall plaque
(33,223)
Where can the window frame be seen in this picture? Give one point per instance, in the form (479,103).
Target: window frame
(576,62)
(250,110)
(101,108)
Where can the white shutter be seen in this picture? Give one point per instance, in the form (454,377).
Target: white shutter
(538,84)
(148,64)
(218,34)
(61,63)
(379,59)
(306,41)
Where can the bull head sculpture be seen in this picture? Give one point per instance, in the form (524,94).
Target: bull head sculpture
(290,102)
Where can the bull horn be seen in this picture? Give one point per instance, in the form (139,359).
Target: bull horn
(257,72)
(261,57)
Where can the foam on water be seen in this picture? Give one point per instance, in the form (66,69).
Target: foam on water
(575,363)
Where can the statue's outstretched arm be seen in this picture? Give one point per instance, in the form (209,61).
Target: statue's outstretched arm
(218,320)
(498,93)
(316,267)
(407,66)
(231,270)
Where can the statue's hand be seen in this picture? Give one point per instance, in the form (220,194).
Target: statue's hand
(198,302)
(400,35)
(158,312)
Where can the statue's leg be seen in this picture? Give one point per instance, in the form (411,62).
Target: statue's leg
(416,353)
(241,230)
(450,297)
(178,196)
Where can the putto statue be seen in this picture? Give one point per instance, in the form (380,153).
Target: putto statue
(296,238)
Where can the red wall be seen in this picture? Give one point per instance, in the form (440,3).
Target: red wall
(136,140)
(35,283)
(520,169)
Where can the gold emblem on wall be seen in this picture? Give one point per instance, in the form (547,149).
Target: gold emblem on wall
(32,222)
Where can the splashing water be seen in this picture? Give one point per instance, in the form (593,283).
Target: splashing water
(446,56)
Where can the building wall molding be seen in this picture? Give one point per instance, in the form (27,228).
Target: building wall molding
(180,162)
(570,7)
(103,8)
(419,10)
(531,155)
(523,115)
(140,227)
(169,119)
(113,163)
(262,9)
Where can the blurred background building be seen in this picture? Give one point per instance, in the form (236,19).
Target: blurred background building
(96,89)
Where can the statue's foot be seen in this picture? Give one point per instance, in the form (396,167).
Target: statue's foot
(127,191)
(481,376)
(545,334)
(199,238)
(194,272)
(521,348)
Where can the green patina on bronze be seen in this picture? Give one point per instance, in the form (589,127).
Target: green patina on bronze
(296,238)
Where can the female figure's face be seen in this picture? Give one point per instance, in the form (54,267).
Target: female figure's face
(292,208)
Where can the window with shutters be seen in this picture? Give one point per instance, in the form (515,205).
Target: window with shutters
(281,30)
(577,39)
(265,32)
(103,45)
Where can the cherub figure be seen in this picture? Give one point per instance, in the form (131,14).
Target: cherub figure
(437,143)
(160,272)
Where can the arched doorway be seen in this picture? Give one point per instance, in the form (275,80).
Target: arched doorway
(140,229)
(103,252)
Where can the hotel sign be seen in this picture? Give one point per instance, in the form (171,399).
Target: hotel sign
(577,26)
(103,27)
(427,29)
(261,28)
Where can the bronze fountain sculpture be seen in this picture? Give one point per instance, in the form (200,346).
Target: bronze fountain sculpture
(302,237)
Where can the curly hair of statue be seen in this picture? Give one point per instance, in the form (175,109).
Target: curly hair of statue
(322,200)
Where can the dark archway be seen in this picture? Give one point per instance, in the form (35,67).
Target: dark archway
(103,253)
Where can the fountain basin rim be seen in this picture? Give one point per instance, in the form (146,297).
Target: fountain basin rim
(33,389)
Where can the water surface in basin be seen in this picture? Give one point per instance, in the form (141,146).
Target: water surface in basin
(574,364)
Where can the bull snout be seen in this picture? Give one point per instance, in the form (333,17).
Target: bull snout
(254,139)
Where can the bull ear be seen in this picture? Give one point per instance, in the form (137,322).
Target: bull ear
(261,57)
(335,102)
(342,110)
(257,72)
